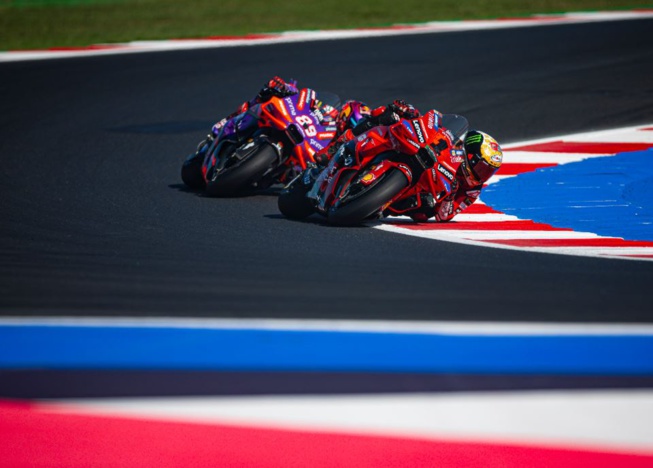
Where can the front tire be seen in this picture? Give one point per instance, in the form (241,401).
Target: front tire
(240,176)
(355,208)
(191,171)
(293,203)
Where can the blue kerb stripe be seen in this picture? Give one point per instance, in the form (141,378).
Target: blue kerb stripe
(609,195)
(71,347)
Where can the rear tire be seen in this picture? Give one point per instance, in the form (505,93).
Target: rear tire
(239,177)
(293,203)
(368,202)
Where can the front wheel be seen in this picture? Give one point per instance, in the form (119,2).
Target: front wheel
(241,174)
(293,203)
(366,201)
(191,171)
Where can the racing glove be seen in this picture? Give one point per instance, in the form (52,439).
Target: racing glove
(403,109)
(384,115)
(276,87)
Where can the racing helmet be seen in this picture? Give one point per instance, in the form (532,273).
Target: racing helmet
(351,113)
(326,114)
(483,157)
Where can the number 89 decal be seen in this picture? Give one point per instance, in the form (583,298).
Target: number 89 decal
(307,124)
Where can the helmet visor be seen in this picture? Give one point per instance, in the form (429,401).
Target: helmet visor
(481,170)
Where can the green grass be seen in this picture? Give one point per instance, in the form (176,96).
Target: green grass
(30,24)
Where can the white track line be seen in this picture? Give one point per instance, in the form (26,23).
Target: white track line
(599,419)
(371,326)
(305,36)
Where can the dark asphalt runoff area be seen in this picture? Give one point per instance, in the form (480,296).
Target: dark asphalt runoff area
(94,219)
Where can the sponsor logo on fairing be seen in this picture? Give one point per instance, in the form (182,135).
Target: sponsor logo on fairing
(446,208)
(310,97)
(445,172)
(433,120)
(406,171)
(368,178)
(418,131)
(302,99)
(284,110)
(315,143)
(457,156)
(407,125)
(291,106)
(326,135)
(414,144)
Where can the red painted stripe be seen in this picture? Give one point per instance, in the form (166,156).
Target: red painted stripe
(647,129)
(593,242)
(90,47)
(397,27)
(582,147)
(535,19)
(637,256)
(480,208)
(234,38)
(31,437)
(522,225)
(520,168)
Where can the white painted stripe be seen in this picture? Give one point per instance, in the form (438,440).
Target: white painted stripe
(596,251)
(571,137)
(496,178)
(371,326)
(304,36)
(600,419)
(485,218)
(539,157)
(462,217)
(481,234)
(626,136)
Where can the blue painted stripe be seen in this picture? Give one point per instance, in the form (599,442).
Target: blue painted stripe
(610,196)
(72,347)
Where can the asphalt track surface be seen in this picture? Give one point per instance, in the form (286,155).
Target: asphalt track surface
(94,219)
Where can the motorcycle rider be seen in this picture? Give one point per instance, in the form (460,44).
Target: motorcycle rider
(355,118)
(275,87)
(481,159)
(479,156)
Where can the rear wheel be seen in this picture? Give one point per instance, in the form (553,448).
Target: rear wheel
(239,176)
(364,201)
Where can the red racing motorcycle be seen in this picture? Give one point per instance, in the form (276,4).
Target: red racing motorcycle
(379,168)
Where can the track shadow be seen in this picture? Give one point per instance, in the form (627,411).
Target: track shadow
(320,221)
(165,128)
(269,192)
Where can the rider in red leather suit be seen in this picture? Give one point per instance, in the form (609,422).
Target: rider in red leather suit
(455,181)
